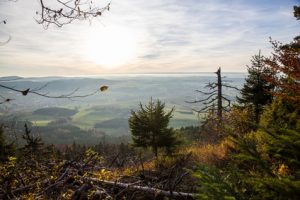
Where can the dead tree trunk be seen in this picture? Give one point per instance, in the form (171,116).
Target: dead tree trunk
(145,189)
(215,97)
(219,83)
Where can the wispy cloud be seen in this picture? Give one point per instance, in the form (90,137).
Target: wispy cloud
(171,35)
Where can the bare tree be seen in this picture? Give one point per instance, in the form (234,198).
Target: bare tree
(214,96)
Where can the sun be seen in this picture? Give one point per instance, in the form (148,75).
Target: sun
(111,47)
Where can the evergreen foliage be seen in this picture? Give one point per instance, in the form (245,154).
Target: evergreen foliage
(33,145)
(265,163)
(256,91)
(149,127)
(214,185)
(281,139)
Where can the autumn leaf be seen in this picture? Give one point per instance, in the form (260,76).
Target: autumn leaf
(103,88)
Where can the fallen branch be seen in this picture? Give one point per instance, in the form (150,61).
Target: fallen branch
(142,188)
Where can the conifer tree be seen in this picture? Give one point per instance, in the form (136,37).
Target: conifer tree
(149,127)
(34,145)
(256,91)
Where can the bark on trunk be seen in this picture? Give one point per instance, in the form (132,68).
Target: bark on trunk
(220,106)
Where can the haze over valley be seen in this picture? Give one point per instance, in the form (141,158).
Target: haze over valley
(104,114)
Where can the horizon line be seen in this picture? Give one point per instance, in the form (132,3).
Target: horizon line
(112,74)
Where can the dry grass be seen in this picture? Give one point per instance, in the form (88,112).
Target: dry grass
(211,154)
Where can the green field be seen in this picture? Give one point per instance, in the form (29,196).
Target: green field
(110,119)
(40,122)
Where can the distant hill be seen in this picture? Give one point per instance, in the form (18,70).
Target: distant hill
(9,78)
(56,112)
(113,123)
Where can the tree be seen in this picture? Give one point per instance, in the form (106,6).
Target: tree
(214,96)
(285,62)
(215,104)
(256,92)
(297,12)
(33,144)
(149,127)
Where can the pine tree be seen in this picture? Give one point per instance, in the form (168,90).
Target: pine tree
(34,145)
(256,91)
(149,127)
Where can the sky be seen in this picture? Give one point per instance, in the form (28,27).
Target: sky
(145,36)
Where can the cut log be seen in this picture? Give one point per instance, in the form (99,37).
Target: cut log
(181,195)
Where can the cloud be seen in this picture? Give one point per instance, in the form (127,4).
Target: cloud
(171,35)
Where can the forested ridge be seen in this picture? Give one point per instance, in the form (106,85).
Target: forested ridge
(244,149)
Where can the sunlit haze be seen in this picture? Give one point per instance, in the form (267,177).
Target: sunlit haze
(142,36)
(111,47)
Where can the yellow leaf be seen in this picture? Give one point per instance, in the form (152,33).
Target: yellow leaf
(283,169)
(103,88)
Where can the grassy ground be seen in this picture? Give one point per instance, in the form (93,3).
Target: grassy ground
(40,122)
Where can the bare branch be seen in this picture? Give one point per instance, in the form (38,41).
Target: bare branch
(206,93)
(69,11)
(5,42)
(6,100)
(211,85)
(228,101)
(64,96)
(205,109)
(229,86)
(40,88)
(199,101)
(211,101)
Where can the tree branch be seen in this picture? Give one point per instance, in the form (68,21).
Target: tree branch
(69,11)
(64,96)
(204,110)
(229,86)
(199,101)
(206,93)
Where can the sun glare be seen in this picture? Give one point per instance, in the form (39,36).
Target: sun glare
(111,47)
